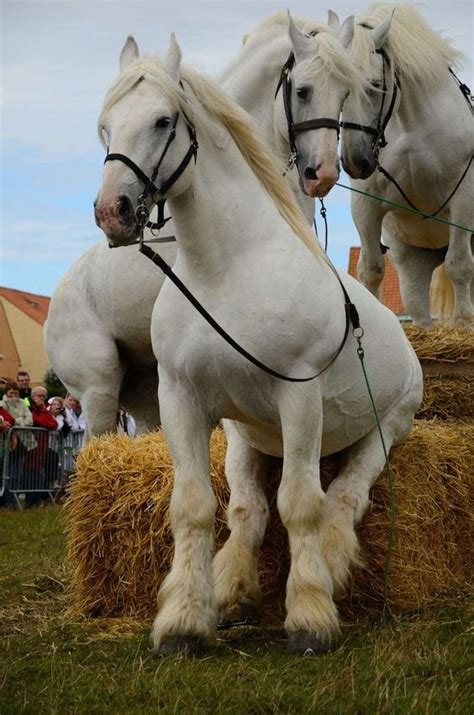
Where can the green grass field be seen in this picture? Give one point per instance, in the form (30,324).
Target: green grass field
(53,663)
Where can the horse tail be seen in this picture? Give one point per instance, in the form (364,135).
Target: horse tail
(441,295)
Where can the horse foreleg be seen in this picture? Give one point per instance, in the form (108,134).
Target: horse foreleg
(235,566)
(368,221)
(459,262)
(187,613)
(347,497)
(311,621)
(415,268)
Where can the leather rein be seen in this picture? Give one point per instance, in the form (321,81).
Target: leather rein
(157,195)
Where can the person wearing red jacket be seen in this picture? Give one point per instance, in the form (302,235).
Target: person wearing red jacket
(42,463)
(6,420)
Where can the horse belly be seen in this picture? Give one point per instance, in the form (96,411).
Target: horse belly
(409,229)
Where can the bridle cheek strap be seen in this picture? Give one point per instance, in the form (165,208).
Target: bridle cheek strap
(379,141)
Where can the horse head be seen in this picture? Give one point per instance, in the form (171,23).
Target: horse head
(146,134)
(315,82)
(364,122)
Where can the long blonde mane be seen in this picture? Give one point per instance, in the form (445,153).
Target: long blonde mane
(418,53)
(209,101)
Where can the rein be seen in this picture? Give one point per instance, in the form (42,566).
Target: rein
(142,214)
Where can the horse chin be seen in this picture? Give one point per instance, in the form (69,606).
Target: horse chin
(316,190)
(121,235)
(359,170)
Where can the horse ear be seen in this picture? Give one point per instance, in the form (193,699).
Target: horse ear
(346,33)
(172,61)
(301,44)
(129,53)
(333,21)
(379,33)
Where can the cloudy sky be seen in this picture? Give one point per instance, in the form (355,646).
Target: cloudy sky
(58,60)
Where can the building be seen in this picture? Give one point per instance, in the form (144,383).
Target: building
(22,317)
(390,287)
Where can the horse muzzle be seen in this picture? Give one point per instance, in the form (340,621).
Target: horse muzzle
(117,220)
(361,169)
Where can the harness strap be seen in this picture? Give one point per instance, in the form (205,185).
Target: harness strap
(390,178)
(352,317)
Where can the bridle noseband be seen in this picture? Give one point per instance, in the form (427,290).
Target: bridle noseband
(297,128)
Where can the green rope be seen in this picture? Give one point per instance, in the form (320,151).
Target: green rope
(405,208)
(393,503)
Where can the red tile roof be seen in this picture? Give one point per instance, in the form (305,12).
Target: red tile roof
(35,306)
(390,288)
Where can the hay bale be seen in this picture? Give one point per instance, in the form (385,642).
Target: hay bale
(120,546)
(447,358)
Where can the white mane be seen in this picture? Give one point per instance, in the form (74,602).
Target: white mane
(329,57)
(416,51)
(207,102)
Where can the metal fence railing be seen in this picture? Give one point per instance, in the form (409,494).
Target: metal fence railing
(35,464)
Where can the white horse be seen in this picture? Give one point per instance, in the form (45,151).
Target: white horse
(429,146)
(98,329)
(247,253)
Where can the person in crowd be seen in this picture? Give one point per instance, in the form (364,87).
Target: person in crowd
(74,414)
(13,403)
(7,421)
(57,409)
(24,384)
(22,440)
(41,467)
(125,423)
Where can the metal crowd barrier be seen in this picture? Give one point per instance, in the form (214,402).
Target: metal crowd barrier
(35,464)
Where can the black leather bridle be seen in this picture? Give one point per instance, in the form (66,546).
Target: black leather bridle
(295,128)
(378,132)
(155,193)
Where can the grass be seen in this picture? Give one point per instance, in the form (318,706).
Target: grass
(53,663)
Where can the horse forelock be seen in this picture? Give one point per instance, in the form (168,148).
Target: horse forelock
(207,103)
(416,52)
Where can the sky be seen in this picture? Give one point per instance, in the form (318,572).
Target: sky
(58,60)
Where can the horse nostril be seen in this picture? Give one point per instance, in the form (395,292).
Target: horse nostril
(124,207)
(310,173)
(365,167)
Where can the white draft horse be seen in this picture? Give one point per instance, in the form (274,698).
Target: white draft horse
(247,253)
(98,329)
(420,131)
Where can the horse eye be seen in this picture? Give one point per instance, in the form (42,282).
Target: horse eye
(375,83)
(302,92)
(162,122)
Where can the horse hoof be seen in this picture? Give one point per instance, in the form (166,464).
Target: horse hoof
(304,643)
(179,645)
(242,614)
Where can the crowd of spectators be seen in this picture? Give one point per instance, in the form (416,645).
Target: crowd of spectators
(32,452)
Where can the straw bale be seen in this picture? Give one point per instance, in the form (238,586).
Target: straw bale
(120,546)
(442,344)
(447,359)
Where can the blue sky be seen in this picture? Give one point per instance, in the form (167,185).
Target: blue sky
(58,60)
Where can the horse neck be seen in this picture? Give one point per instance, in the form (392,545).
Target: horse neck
(251,80)
(219,215)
